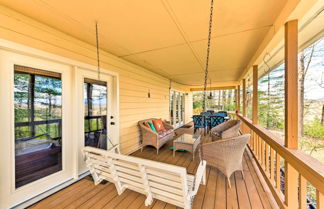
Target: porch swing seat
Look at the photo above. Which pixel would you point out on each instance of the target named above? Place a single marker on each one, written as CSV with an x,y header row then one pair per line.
x,y
165,182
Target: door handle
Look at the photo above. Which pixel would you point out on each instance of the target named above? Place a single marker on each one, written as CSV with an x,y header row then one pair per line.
x,y
112,123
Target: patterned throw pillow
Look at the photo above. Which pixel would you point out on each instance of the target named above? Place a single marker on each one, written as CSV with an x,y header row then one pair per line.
x,y
158,124
152,127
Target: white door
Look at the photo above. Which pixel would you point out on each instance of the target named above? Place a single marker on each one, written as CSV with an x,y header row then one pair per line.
x,y
35,108
97,118
177,108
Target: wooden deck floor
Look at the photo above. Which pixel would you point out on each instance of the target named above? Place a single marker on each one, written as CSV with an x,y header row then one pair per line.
x,y
245,193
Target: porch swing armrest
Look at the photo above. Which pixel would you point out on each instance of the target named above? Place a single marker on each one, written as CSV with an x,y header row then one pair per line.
x,y
200,177
115,149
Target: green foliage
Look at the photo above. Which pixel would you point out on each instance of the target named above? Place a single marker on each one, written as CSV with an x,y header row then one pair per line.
x,y
225,102
197,103
271,99
314,129
47,104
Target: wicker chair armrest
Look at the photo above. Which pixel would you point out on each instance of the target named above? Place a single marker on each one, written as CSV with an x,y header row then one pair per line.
x,y
210,146
232,131
146,130
229,132
218,128
167,125
214,145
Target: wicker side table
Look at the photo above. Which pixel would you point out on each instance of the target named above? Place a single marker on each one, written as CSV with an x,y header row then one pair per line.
x,y
186,142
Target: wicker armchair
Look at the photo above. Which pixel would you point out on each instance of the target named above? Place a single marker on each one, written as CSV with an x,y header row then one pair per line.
x,y
227,129
226,154
154,139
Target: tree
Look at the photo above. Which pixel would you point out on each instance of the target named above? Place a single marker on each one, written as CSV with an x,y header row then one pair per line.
x,y
197,102
219,99
302,73
311,97
229,100
271,99
224,100
322,119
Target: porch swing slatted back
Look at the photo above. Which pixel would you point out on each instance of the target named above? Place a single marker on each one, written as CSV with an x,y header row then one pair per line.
x,y
162,181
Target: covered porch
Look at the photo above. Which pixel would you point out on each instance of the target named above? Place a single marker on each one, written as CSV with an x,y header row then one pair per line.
x,y
76,74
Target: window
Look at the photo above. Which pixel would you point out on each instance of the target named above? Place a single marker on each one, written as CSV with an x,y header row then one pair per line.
x,y
38,124
95,113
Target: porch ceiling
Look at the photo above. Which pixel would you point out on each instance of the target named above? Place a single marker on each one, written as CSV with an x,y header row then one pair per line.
x,y
166,37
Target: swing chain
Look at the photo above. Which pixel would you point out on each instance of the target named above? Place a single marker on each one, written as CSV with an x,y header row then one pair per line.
x,y
208,51
97,47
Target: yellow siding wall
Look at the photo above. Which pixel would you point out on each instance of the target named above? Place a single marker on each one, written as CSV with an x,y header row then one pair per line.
x,y
135,81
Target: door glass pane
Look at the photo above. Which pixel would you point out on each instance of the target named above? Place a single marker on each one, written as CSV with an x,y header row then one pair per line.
x,y
182,108
177,108
95,113
38,124
171,106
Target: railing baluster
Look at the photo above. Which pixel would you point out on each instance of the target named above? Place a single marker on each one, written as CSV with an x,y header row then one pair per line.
x,y
299,169
258,149
302,192
291,186
319,200
255,142
262,153
267,159
272,166
251,141
278,172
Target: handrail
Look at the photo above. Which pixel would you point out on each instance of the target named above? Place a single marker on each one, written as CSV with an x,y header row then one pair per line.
x,y
311,168
308,167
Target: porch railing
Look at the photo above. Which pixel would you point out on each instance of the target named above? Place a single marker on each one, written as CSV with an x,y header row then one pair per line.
x,y
268,150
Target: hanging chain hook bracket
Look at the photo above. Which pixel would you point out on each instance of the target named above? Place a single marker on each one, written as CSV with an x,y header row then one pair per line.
x,y
266,61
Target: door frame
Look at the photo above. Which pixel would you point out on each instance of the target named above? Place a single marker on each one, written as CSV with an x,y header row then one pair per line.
x,y
7,179
112,107
181,113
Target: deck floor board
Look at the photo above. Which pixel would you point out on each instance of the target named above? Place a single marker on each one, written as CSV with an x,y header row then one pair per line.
x,y
245,193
